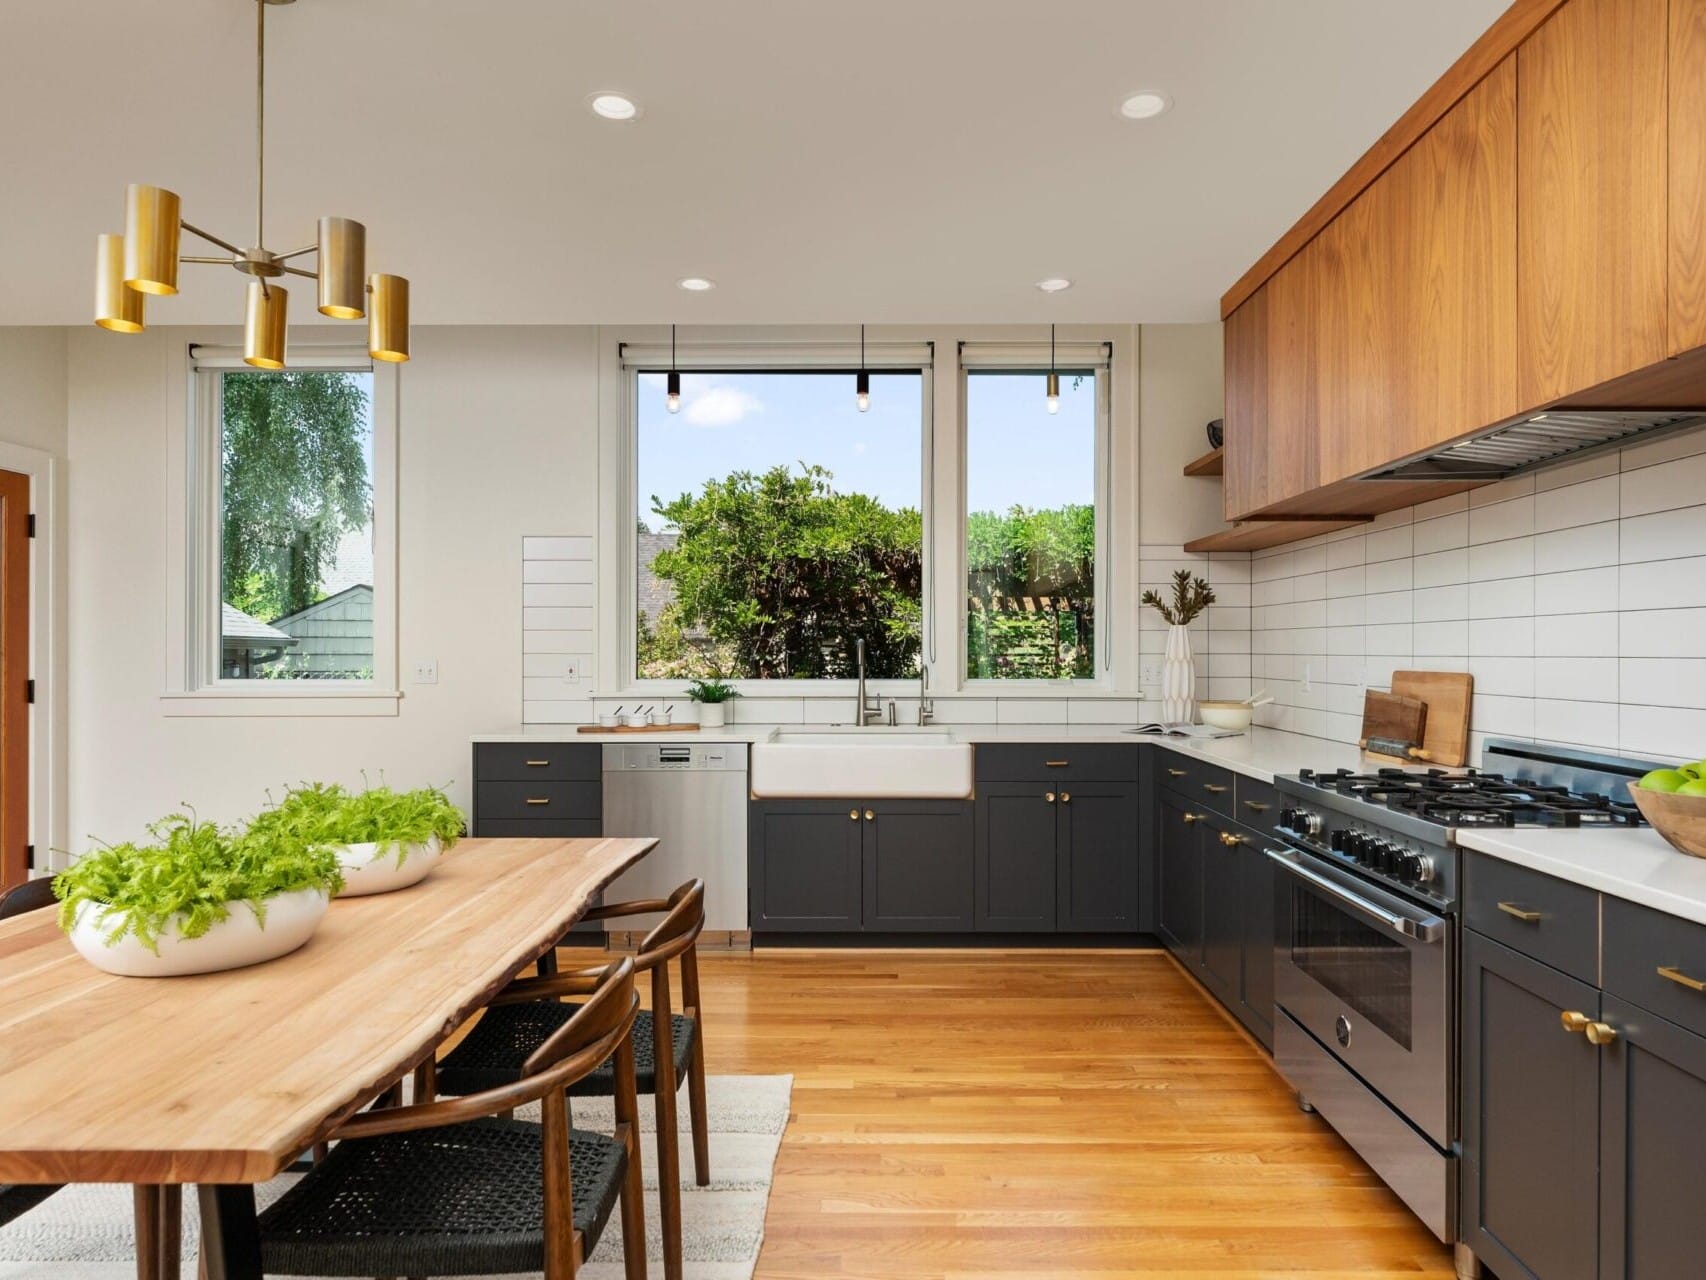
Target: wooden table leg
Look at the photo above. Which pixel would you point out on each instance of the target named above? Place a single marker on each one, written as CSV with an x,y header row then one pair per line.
x,y
159,1230
171,1230
230,1234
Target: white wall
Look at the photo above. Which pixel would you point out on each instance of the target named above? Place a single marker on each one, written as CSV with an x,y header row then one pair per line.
x,y
498,441
32,388
1576,597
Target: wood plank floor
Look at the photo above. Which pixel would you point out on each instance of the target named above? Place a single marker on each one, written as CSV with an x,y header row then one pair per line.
x,y
1059,1114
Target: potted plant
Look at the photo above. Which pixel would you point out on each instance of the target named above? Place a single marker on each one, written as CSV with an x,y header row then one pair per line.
x,y
384,839
711,697
195,898
1178,671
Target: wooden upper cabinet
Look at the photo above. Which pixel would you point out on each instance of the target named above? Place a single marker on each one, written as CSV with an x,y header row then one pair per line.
x,y
1592,196
1418,292
1271,450
1687,145
1246,404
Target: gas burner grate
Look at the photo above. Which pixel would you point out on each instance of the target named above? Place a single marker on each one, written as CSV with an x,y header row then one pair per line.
x,y
1470,798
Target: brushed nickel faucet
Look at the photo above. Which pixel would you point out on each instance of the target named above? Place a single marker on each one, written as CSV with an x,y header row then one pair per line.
x,y
864,713
926,705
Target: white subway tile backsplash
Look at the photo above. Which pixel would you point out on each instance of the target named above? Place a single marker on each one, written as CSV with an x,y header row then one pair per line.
x,y
1032,711
556,571
1577,679
576,594
1663,633
1389,575
1678,732
1508,559
1664,535
1500,715
576,548
1345,582
1663,584
1575,592
1576,504
1663,682
1502,520
1592,724
1507,676
1442,533
1345,552
1441,604
1440,639
1677,484
1584,547
1388,544
557,619
1576,635
1502,637
1441,568
555,642
1389,606
1503,598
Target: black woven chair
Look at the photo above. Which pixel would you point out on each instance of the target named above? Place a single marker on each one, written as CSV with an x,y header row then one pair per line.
x,y
449,1188
32,895
668,1047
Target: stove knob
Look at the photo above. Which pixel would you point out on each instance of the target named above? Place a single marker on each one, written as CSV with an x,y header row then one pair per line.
x,y
1339,841
1385,857
1313,823
1359,846
1288,819
1419,869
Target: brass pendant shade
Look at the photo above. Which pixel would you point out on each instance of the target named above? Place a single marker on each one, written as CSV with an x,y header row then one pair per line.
x,y
144,260
264,325
388,318
116,307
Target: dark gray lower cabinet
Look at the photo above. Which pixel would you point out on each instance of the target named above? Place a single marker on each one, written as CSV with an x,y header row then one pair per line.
x,y
1178,912
1256,894
1096,858
805,865
918,865
1222,913
1016,875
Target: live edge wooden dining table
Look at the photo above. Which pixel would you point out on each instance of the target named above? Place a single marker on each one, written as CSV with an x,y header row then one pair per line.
x,y
223,1079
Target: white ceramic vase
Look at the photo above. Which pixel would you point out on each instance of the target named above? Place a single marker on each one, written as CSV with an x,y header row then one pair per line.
x,y
239,939
1178,678
713,715
382,868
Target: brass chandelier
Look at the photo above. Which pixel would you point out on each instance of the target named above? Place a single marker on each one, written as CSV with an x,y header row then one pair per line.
x,y
144,260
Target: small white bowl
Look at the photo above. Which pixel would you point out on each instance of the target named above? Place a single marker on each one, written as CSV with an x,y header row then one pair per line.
x,y
375,868
660,717
609,720
238,940
1226,715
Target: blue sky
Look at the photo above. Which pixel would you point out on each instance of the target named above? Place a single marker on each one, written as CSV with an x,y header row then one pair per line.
x,y
754,421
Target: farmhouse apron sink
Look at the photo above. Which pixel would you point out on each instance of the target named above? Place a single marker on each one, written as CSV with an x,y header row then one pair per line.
x,y
871,763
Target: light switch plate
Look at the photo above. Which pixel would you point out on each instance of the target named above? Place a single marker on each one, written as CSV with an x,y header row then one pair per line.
x,y
426,672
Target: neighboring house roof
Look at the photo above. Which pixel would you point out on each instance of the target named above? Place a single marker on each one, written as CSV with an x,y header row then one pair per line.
x,y
327,605
239,630
654,592
352,564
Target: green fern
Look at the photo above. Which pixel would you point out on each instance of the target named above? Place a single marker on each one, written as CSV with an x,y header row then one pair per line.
x,y
327,813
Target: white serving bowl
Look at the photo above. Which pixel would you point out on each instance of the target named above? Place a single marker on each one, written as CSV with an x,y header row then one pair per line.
x,y
238,940
376,868
1226,715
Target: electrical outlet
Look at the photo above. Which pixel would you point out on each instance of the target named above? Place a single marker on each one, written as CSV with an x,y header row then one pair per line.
x,y
571,668
426,672
1150,674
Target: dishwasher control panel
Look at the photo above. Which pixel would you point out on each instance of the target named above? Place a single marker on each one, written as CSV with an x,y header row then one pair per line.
x,y
722,757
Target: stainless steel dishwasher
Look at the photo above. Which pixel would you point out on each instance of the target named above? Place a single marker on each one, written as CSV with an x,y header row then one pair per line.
x,y
692,797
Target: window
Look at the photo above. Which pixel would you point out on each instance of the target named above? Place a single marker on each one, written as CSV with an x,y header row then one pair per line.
x,y
1031,528
777,524
289,530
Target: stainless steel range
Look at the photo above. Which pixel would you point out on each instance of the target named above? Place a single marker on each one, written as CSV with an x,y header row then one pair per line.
x,y
1366,948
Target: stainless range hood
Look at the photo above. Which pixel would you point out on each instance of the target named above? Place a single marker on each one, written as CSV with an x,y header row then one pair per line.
x,y
1540,440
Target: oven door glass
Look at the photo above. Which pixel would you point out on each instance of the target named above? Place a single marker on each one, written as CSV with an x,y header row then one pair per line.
x,y
1364,966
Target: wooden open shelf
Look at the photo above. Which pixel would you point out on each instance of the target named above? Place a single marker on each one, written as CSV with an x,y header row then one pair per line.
x,y
1212,463
1256,535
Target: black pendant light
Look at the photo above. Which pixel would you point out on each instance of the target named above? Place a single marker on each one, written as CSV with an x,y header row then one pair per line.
x,y
1053,377
672,401
862,384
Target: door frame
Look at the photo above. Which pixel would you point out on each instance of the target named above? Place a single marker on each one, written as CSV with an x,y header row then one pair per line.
x,y
47,787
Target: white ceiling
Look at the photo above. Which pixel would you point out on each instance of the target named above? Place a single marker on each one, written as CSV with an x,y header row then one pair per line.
x,y
822,160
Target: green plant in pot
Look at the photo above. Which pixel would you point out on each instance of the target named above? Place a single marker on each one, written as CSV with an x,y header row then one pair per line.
x,y
195,898
712,698
385,839
1191,595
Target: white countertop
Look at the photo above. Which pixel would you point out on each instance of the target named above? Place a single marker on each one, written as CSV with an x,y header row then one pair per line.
x,y
1635,865
1261,753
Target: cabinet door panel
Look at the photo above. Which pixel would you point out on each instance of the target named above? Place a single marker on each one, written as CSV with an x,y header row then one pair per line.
x,y
1097,859
1653,1147
1244,485
1687,175
1222,921
1530,1117
805,865
1015,858
918,865
1256,908
1179,914
1591,195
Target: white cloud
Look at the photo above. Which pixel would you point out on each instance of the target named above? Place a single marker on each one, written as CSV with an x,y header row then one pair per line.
x,y
718,406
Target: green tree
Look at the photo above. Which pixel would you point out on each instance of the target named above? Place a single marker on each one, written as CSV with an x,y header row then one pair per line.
x,y
295,480
1049,558
783,574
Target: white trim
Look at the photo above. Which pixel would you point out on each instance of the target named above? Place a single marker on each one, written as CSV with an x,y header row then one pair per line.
x,y
808,354
47,757
193,646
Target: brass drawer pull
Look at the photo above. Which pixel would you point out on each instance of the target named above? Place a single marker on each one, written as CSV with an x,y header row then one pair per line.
x,y
1177,773
1670,973
1573,1021
1257,805
1601,1033
1215,787
1521,913
538,800
1057,764
537,764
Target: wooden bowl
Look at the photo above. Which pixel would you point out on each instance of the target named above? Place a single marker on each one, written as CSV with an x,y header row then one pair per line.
x,y
1679,819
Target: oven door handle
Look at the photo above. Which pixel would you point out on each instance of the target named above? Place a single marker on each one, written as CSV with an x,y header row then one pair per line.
x,y
1420,928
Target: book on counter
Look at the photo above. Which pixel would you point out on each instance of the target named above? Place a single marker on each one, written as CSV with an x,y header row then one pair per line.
x,y
1185,730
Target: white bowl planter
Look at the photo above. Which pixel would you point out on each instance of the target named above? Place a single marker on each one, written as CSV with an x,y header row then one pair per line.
x,y
239,939
377,868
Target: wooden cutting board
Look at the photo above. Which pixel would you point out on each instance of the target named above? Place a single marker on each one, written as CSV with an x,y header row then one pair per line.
x,y
1392,716
1448,695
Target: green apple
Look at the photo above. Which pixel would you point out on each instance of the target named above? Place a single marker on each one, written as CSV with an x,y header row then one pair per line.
x,y
1665,780
1696,787
1692,770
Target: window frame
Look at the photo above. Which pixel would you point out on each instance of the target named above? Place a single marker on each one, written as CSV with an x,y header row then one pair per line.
x,y
634,360
195,683
1097,358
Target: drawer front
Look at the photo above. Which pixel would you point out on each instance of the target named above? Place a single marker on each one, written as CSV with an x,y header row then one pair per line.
x,y
1656,961
1205,784
1550,920
535,761
514,829
1043,762
1257,804
540,801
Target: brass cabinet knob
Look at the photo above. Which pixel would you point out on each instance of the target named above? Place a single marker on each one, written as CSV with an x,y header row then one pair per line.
x,y
1049,796
1601,1033
1229,840
1573,1021
1066,797
870,815
1193,817
853,814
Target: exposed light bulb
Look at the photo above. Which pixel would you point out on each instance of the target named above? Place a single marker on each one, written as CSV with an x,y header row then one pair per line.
x,y
672,400
864,402
1053,392
862,388
1054,404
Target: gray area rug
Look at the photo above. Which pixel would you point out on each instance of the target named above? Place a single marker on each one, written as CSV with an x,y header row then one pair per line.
x,y
85,1232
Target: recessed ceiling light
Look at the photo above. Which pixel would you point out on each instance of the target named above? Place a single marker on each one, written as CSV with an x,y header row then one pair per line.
x,y
1054,284
696,284
1144,104
614,106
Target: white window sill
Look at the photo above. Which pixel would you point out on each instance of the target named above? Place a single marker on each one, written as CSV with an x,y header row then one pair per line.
x,y
281,702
